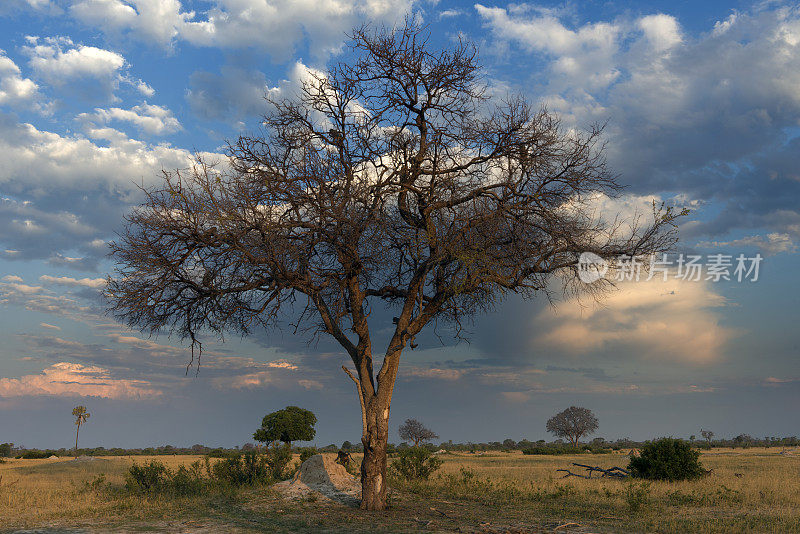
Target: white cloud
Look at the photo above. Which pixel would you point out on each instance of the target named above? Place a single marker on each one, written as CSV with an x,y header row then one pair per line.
x,y
60,62
73,162
10,289
708,115
661,31
275,26
282,364
583,56
143,88
12,278
448,13
76,380
49,326
151,119
674,321
14,88
774,243
94,283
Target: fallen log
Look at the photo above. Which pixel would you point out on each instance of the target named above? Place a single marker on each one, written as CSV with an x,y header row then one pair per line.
x,y
613,472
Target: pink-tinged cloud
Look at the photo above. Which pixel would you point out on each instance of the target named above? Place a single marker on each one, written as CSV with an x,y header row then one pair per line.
x,y
774,381
49,326
282,364
261,375
248,381
76,380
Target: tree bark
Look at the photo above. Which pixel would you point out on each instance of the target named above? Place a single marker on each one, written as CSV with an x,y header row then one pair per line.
x,y
76,440
373,466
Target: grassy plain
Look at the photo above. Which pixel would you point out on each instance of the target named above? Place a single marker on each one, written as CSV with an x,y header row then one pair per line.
x,y
753,490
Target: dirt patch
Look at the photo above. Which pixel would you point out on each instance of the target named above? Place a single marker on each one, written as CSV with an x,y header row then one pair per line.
x,y
321,476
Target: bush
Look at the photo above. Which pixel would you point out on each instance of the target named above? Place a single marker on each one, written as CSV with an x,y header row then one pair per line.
x,y
415,463
307,453
149,477
34,454
278,458
245,469
637,495
667,459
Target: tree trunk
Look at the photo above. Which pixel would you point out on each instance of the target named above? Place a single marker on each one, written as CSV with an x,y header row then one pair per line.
x,y
373,466
76,440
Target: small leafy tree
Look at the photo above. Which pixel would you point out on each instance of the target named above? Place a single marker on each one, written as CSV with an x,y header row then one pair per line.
x,y
415,462
413,430
667,459
707,435
5,449
572,424
287,425
81,415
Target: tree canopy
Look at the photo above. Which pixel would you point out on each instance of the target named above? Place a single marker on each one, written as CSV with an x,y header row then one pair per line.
x,y
413,430
573,423
287,425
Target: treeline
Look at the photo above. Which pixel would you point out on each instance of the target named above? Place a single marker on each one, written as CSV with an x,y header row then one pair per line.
x,y
596,446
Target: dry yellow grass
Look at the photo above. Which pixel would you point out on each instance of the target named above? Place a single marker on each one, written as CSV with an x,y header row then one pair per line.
x,y
754,490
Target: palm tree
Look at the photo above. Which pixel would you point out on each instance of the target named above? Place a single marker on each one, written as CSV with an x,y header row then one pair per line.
x,y
81,415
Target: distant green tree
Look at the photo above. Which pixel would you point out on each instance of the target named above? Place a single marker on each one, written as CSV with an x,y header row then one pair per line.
x,y
346,446
287,425
573,423
413,430
81,415
5,449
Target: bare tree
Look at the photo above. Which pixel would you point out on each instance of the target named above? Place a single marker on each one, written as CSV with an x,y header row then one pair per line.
x,y
391,180
413,430
572,424
81,415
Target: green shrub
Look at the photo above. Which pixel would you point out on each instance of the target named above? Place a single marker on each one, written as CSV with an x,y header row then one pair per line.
x,y
278,458
637,495
667,459
34,454
153,477
245,469
149,477
415,463
188,481
307,453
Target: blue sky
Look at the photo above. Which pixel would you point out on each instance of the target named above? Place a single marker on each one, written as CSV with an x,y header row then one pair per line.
x,y
702,107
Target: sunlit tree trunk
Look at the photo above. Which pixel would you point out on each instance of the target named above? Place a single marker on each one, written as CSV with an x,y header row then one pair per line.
x,y
373,466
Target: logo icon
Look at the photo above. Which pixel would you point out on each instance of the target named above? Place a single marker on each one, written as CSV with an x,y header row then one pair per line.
x,y
591,267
